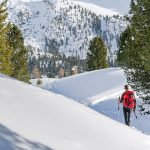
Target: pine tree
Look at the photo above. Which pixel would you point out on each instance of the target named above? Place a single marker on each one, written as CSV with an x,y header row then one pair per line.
x,y
6,66
97,54
134,52
20,54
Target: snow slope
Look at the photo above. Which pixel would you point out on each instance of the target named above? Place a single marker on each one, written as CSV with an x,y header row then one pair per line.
x,y
98,10
100,91
41,21
92,86
109,6
36,119
64,27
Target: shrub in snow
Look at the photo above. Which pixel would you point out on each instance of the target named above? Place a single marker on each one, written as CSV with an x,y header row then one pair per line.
x,y
39,82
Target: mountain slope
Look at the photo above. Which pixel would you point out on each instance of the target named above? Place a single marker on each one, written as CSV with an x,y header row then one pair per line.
x,y
100,91
57,33
34,119
116,6
92,86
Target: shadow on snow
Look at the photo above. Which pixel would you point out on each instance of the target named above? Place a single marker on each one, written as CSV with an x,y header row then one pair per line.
x,y
10,140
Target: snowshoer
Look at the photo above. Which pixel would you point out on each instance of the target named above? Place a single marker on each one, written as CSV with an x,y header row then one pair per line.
x,y
129,103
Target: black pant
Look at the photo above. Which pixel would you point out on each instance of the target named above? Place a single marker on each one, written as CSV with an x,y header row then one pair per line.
x,y
127,115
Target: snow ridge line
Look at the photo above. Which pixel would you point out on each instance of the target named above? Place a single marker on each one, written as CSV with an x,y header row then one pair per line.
x,y
106,97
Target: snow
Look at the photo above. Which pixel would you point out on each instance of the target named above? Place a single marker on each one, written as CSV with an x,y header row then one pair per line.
x,y
92,87
14,2
96,9
105,7
39,22
45,82
37,119
109,7
100,91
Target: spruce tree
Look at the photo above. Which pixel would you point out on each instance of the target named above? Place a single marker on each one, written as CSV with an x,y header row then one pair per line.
x,y
134,51
97,54
6,66
20,54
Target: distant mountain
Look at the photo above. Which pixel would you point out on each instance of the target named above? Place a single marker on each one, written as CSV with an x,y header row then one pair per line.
x,y
117,6
57,32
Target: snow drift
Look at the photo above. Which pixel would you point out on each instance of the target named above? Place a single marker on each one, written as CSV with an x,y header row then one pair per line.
x,y
100,90
36,119
92,86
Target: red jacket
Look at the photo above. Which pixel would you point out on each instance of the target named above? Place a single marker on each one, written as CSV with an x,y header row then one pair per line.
x,y
128,99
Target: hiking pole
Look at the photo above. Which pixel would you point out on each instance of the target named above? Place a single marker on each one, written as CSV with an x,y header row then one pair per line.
x,y
135,114
118,108
138,121
118,104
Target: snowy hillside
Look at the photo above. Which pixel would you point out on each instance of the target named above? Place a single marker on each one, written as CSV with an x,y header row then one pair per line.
x,y
113,6
100,91
92,86
65,22
54,29
34,119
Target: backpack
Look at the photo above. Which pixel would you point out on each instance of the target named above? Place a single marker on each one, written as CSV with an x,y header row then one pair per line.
x,y
129,99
